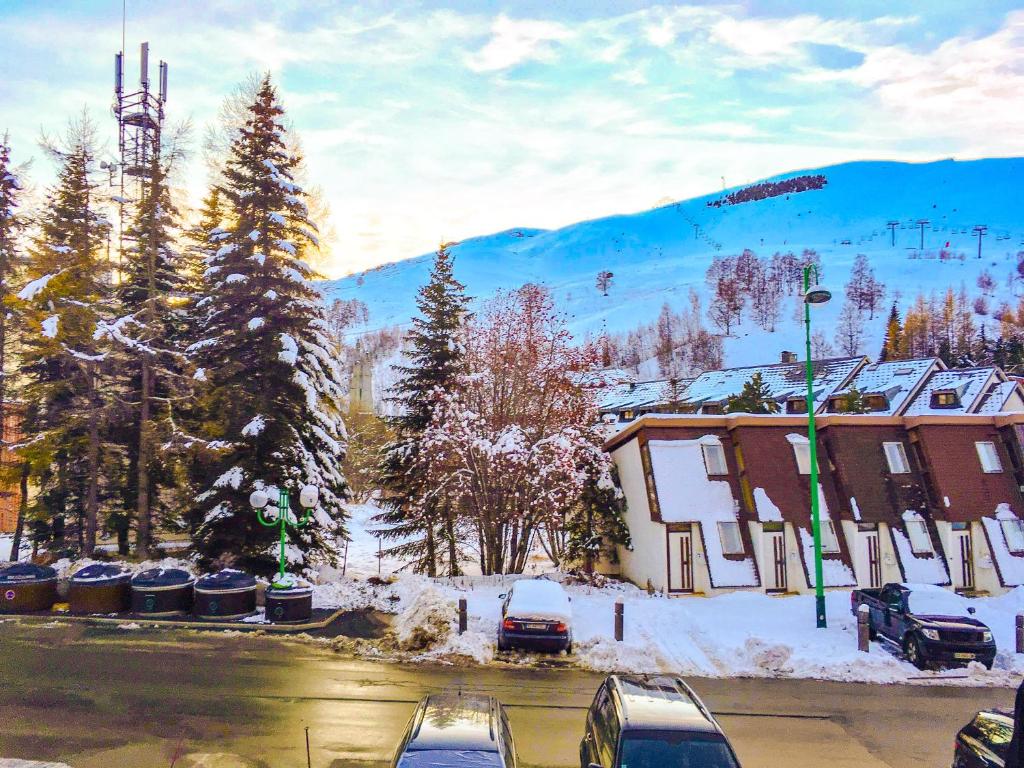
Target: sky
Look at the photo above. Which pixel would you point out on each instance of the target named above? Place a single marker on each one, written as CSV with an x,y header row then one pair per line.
x,y
424,122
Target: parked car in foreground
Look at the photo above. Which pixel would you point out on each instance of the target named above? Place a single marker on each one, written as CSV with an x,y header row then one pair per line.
x,y
536,615
652,721
983,742
457,731
927,623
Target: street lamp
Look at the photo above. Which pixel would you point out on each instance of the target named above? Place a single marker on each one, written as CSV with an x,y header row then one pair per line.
x,y
813,297
282,516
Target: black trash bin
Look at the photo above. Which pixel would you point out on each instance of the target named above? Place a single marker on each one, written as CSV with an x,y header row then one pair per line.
x,y
162,592
27,587
289,604
101,588
224,596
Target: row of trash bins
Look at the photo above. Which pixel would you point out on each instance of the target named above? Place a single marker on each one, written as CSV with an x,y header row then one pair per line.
x,y
109,588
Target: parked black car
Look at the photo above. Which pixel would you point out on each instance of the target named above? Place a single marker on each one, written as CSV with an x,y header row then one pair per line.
x,y
536,614
652,721
922,621
983,742
457,731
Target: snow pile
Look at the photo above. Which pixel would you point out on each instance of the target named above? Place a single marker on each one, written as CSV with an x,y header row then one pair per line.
x,y
427,620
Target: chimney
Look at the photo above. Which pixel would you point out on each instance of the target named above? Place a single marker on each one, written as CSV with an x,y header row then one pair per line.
x,y
788,357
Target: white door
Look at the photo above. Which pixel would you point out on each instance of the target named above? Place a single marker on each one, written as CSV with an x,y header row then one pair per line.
x,y
963,559
775,561
869,560
680,561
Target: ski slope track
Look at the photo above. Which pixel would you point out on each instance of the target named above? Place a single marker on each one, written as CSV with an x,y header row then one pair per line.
x,y
658,255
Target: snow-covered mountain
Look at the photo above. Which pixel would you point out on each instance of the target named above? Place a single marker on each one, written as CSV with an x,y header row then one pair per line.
x,y
657,255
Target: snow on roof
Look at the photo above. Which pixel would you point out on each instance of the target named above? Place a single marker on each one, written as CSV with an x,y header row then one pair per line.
x,y
784,380
1011,566
969,384
895,379
606,377
540,599
997,397
687,495
631,396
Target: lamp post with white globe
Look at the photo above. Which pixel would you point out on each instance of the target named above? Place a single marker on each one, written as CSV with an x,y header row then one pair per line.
x,y
282,516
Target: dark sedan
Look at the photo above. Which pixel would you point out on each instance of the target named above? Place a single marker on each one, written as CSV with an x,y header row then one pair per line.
x,y
983,742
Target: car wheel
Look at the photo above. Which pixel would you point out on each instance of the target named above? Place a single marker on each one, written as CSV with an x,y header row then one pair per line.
x,y
912,650
989,664
568,649
502,645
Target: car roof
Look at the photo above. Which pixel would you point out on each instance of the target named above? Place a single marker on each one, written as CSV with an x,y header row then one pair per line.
x,y
455,721
660,702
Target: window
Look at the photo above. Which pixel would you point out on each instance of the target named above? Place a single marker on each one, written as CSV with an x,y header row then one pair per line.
x,y
652,489
920,540
628,415
945,398
796,405
714,459
732,542
802,451
989,457
829,541
896,455
877,402
1013,532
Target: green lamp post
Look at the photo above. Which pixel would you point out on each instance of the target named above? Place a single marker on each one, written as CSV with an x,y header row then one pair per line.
x,y
281,516
812,297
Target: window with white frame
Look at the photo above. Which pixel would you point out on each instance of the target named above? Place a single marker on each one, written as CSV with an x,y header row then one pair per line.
x,y
896,455
1013,532
829,541
920,539
989,457
732,541
714,458
802,451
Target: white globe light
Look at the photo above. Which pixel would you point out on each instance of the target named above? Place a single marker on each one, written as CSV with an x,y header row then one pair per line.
x,y
309,496
258,499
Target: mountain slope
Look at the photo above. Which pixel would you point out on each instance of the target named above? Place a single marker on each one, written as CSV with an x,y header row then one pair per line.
x,y
657,255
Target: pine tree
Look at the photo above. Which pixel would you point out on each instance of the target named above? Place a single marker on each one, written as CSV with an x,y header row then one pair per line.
x,y
892,346
435,360
597,526
12,263
755,397
853,402
144,337
272,393
64,363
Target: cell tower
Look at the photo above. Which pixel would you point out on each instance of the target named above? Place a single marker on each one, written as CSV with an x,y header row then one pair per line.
x,y
140,118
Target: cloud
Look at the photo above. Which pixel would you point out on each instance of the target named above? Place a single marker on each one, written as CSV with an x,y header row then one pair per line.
x,y
514,41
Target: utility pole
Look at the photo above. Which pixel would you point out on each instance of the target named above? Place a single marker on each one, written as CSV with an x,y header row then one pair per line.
x,y
892,228
980,231
922,223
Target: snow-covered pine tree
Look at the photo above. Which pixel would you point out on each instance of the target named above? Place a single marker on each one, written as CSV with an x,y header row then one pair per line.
x,y
12,263
64,364
143,337
754,398
273,393
435,360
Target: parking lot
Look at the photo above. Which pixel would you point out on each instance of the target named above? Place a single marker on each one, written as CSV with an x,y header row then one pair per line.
x,y
105,699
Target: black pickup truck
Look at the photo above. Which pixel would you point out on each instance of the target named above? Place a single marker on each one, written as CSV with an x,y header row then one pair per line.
x,y
922,620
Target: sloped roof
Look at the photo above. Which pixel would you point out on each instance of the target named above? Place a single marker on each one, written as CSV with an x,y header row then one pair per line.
x,y
897,379
631,396
997,397
969,383
783,380
606,377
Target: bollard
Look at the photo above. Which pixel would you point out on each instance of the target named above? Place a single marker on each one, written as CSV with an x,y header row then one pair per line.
x,y
863,629
1020,633
619,609
462,615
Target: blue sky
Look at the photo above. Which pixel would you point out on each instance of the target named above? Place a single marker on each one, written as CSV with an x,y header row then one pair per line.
x,y
424,121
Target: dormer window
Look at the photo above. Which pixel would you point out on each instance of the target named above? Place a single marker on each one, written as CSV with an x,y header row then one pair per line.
x,y
896,456
917,532
714,459
713,409
628,415
796,405
945,398
989,457
876,402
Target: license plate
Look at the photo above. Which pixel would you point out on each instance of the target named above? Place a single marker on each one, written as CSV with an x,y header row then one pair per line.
x,y
963,655
536,626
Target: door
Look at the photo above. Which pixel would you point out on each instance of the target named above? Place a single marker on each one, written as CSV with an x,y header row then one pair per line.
x,y
965,554
680,561
869,560
775,542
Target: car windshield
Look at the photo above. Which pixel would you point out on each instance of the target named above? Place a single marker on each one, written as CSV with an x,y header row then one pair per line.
x,y
657,749
450,758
